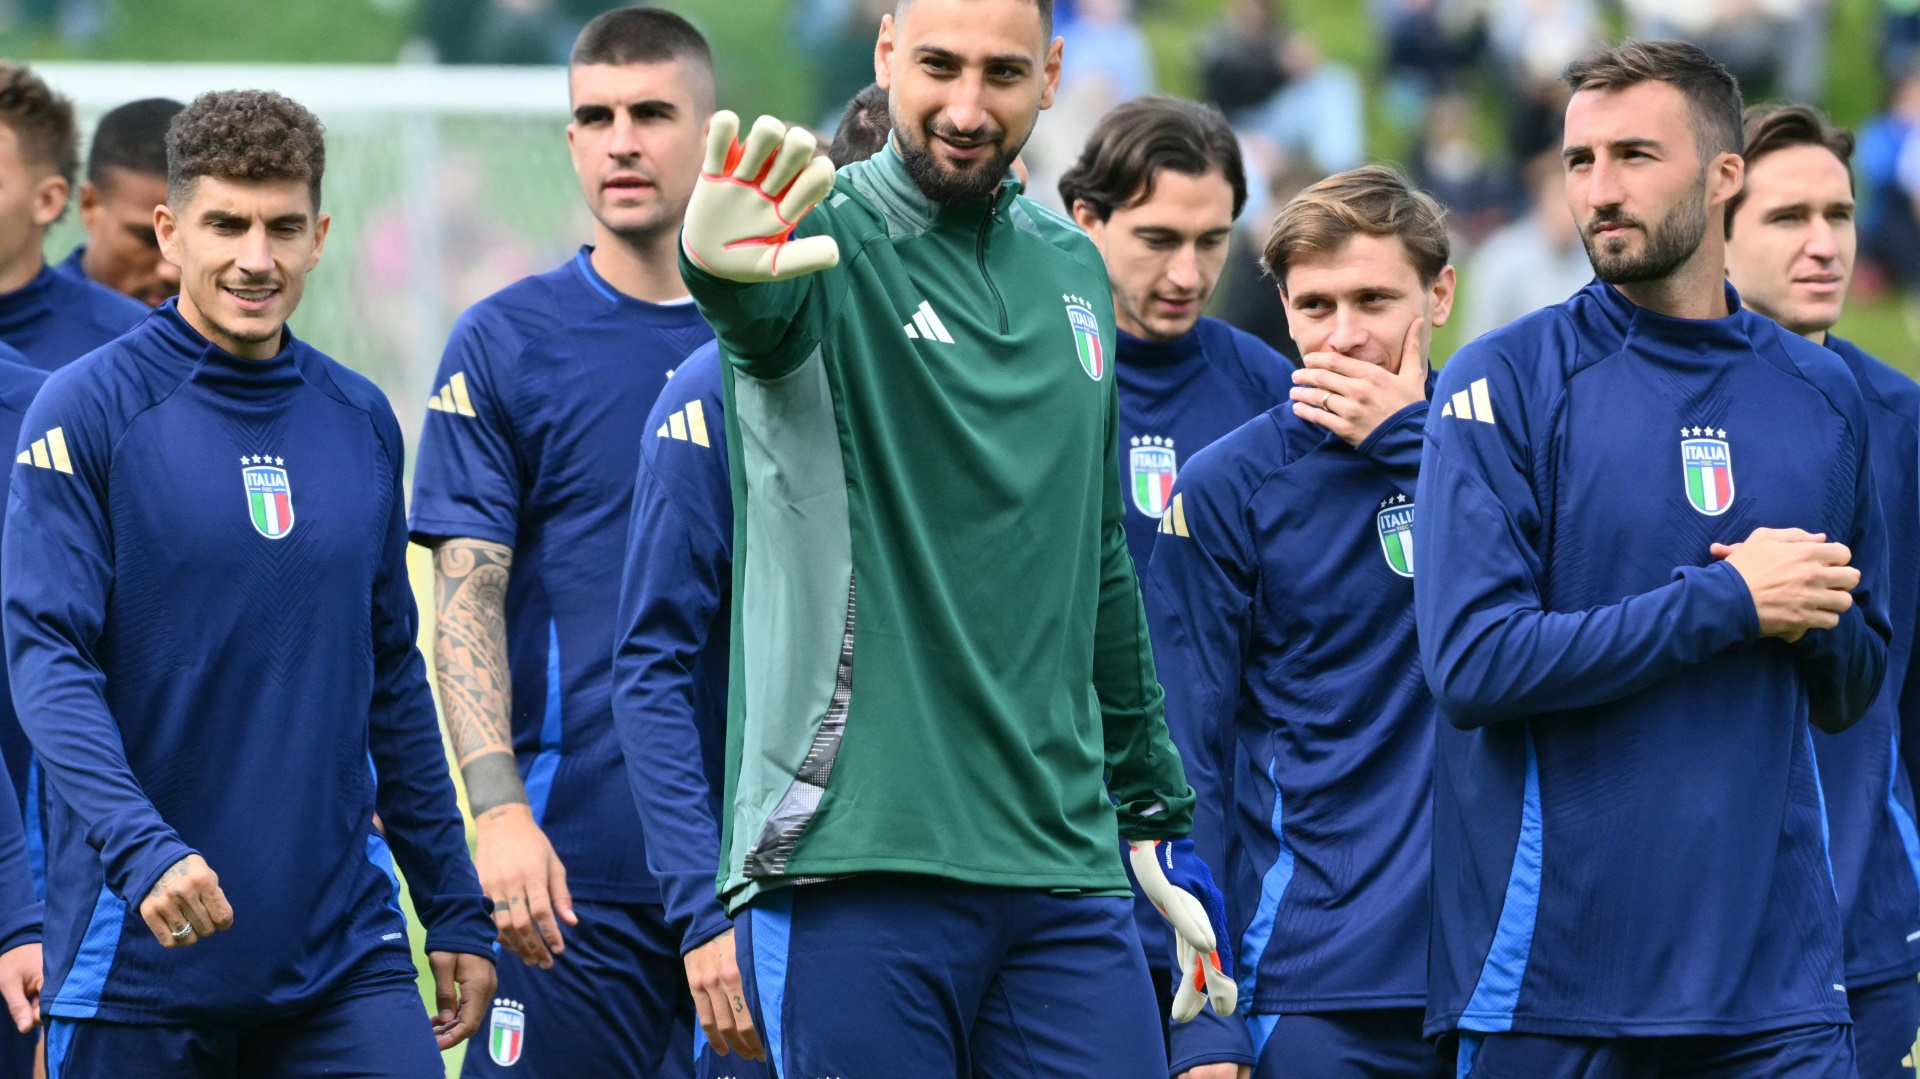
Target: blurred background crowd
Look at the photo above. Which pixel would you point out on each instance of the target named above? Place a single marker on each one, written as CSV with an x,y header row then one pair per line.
x,y
1463,94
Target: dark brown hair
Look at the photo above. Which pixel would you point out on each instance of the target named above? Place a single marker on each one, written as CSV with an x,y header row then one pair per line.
x,y
132,137
1374,199
1045,6
863,129
41,119
1711,91
244,135
1134,142
1774,127
639,35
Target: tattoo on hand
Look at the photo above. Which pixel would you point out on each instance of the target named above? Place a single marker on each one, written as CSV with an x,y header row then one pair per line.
x,y
160,886
738,1004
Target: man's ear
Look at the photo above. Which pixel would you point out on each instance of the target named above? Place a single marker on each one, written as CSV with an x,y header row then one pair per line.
x,y
883,53
50,200
166,229
1088,219
1442,294
319,240
1050,72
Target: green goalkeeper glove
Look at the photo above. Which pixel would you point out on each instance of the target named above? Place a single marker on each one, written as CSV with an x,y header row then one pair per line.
x,y
740,220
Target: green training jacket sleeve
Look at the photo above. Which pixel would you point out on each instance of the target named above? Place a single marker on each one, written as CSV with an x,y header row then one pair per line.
x,y
1144,774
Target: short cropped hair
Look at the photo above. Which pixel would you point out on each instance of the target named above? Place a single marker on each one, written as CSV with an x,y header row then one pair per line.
x,y
1045,6
639,35
249,135
1373,199
1711,91
1131,144
132,137
41,120
1772,128
863,128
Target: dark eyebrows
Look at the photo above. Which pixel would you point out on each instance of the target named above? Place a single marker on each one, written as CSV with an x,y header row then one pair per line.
x,y
287,220
935,52
1616,145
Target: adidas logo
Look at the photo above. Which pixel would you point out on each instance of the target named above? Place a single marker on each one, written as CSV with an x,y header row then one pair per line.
x,y
687,425
1174,521
48,452
453,396
1472,403
929,326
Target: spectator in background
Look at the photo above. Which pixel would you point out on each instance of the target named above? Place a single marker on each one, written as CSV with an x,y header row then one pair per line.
x,y
1274,85
1535,262
1107,58
1431,45
126,179
1887,166
863,129
1532,42
1248,298
1452,166
1774,47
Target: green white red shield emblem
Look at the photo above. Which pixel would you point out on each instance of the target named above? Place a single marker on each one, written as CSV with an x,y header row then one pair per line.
x,y
269,500
1708,464
1151,463
1395,525
1086,339
506,1033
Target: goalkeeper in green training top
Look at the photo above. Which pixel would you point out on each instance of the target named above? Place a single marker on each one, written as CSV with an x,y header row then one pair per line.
x,y
943,703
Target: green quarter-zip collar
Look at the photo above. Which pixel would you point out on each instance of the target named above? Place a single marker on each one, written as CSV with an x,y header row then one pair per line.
x,y
884,181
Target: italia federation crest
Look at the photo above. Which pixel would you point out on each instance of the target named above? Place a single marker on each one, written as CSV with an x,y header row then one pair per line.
x,y
507,1032
1708,464
1086,337
1395,525
269,495
1151,463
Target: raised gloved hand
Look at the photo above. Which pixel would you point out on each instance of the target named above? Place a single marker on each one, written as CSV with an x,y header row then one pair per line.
x,y
749,198
1180,887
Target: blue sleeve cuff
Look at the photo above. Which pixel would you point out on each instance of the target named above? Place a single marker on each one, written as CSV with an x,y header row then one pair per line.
x,y
705,928
1729,602
21,928
1210,1039
144,870
460,923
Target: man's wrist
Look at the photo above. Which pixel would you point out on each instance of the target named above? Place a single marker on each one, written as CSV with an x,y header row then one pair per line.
x,y
493,780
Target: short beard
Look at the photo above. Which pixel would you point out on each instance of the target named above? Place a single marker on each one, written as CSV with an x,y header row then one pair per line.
x,y
1670,243
946,184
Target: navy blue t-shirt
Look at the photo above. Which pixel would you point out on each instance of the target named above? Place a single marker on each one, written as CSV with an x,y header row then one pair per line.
x,y
1866,772
19,382
1280,598
211,638
533,440
57,318
670,664
1628,827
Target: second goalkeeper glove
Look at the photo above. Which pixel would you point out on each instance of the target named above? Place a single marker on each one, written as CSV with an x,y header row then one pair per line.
x,y
1179,885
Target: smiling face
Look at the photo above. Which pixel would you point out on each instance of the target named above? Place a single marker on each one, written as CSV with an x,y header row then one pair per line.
x,y
1359,298
1790,254
1164,254
637,137
1636,183
122,251
966,80
244,249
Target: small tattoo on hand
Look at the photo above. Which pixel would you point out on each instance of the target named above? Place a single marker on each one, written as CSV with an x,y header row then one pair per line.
x,y
738,1005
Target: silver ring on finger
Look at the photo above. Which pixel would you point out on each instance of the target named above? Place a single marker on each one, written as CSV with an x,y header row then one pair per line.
x,y
182,932
1326,399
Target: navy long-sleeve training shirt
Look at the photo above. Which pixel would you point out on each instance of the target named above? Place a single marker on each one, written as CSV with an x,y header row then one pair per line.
x,y
1865,771
211,639
532,440
670,658
57,318
1280,598
1628,828
1176,398
19,382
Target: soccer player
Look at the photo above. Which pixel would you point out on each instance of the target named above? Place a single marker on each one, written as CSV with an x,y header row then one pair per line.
x,y
938,647
1158,188
216,664
1281,601
1790,248
126,179
863,129
50,316
20,880
1651,554
522,489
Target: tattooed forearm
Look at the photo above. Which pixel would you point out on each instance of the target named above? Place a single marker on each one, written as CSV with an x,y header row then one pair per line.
x,y
470,658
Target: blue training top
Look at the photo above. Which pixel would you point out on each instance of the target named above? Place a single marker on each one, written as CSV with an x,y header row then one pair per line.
x,y
19,909
211,638
19,382
1628,828
532,440
1176,398
1281,603
1866,772
57,318
670,662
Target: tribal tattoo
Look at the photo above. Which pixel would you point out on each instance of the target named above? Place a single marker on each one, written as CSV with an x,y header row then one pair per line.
x,y
470,658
